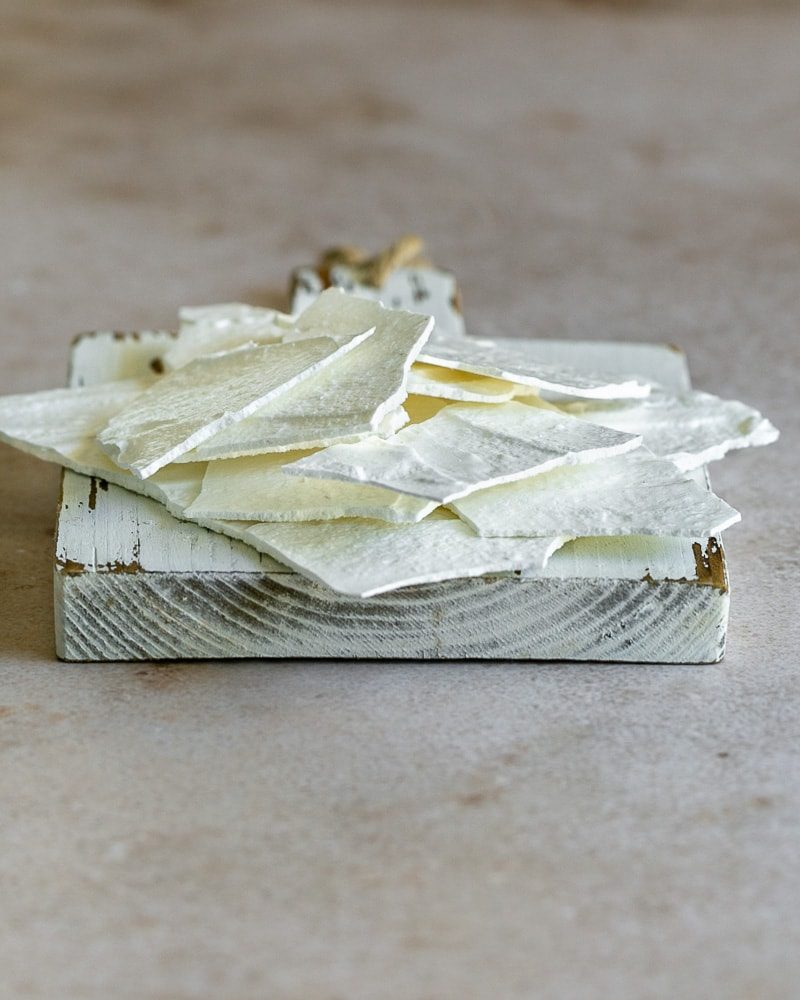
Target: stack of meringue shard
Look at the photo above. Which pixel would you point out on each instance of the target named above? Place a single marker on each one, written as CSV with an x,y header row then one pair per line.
x,y
367,451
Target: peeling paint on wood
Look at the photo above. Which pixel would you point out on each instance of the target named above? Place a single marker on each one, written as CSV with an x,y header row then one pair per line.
x,y
710,569
710,565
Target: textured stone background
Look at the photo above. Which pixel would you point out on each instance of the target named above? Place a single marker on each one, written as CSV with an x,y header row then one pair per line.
x,y
328,831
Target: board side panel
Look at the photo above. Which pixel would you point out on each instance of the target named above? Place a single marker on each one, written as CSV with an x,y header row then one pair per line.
x,y
142,616
103,527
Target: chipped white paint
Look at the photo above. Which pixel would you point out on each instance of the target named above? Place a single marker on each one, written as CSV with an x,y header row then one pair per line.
x,y
447,383
631,494
199,594
256,489
630,557
426,290
360,394
360,558
92,538
137,353
689,428
187,406
519,361
464,448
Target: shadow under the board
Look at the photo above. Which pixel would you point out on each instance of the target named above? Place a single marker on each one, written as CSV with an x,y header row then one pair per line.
x,y
485,664
283,684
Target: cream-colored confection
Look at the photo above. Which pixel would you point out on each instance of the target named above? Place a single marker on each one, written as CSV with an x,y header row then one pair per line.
x,y
464,448
361,394
631,494
515,361
256,489
187,406
689,428
363,558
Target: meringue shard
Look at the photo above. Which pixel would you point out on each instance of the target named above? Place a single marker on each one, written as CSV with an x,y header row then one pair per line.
x,y
515,361
363,558
189,405
690,428
255,489
466,447
631,494
360,395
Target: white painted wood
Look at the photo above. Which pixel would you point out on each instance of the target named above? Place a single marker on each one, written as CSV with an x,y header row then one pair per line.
x,y
135,353
129,533
131,582
466,447
632,557
360,394
142,616
189,405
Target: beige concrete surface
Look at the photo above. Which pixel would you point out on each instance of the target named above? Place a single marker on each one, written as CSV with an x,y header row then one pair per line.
x,y
327,831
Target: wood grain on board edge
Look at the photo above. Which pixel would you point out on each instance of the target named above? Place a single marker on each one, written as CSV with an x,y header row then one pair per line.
x,y
151,616
133,583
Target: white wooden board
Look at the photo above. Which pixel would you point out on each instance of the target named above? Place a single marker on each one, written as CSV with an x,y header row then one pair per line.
x,y
132,582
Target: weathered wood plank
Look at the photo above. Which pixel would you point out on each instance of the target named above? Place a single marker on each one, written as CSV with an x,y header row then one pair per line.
x,y
140,615
132,582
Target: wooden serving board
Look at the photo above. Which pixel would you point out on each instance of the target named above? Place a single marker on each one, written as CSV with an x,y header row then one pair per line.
x,y
134,583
